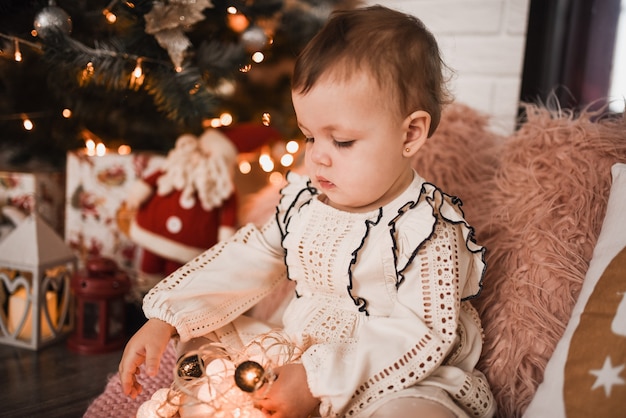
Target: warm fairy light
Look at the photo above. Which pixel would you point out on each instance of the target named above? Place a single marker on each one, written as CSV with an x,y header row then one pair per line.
x,y
245,167
292,147
28,124
258,57
33,33
18,53
101,149
232,10
123,149
88,71
266,119
178,69
138,72
67,113
276,178
90,147
226,119
286,160
266,163
216,123
237,21
245,68
109,16
137,76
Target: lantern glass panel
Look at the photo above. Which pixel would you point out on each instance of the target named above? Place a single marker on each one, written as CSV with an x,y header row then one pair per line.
x,y
116,318
91,313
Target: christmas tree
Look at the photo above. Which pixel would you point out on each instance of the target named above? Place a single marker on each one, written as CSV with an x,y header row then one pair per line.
x,y
143,72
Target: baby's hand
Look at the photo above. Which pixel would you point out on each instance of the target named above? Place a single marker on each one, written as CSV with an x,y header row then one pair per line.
x,y
289,396
146,346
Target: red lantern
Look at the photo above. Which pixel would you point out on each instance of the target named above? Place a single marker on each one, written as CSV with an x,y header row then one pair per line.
x,y
99,292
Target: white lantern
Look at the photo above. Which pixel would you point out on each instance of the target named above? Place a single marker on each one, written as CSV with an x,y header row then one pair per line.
x,y
36,267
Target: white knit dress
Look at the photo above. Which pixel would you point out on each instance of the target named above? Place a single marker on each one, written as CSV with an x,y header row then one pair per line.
x,y
380,308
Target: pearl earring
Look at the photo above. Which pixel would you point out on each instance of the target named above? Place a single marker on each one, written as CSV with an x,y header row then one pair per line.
x,y
407,149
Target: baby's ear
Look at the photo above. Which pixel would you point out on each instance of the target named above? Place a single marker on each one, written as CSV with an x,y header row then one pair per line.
x,y
417,125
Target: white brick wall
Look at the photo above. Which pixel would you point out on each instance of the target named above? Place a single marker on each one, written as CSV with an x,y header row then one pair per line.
x,y
483,42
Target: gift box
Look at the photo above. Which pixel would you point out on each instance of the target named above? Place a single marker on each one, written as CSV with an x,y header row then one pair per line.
x,y
22,192
96,217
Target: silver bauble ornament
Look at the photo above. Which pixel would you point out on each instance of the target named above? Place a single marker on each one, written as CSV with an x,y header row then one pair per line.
x,y
254,38
50,19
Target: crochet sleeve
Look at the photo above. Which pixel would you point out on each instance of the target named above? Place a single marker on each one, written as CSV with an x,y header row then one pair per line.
x,y
220,284
403,348
226,280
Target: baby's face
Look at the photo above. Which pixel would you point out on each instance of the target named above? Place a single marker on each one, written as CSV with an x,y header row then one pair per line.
x,y
354,151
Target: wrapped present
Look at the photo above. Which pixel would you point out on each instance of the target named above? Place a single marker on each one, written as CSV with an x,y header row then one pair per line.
x,y
96,216
22,192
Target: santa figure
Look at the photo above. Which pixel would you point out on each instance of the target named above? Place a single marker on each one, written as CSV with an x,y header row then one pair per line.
x,y
188,205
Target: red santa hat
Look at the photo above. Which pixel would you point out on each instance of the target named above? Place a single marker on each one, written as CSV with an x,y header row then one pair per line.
x,y
249,136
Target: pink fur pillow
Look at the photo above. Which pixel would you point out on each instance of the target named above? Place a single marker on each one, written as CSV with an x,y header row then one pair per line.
x,y
539,217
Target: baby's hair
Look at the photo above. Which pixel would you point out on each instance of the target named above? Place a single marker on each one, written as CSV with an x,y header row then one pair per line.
x,y
396,49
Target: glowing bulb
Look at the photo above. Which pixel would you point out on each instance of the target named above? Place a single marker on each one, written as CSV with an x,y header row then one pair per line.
x,y
67,113
28,124
292,147
226,119
137,76
237,21
266,119
18,53
266,163
286,160
245,68
123,149
101,149
138,72
232,10
258,57
216,123
88,71
90,145
245,167
109,16
276,178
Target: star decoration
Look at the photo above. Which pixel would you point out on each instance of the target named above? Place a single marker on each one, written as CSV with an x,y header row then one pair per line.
x,y
607,376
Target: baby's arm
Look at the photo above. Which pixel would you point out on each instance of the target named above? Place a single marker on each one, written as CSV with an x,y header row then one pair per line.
x,y
146,346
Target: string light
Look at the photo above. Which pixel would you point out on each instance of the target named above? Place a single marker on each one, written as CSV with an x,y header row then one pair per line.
x,y
108,14
101,149
258,57
90,147
87,72
245,167
276,178
286,160
28,124
124,150
137,76
292,146
18,53
266,119
67,113
226,119
266,162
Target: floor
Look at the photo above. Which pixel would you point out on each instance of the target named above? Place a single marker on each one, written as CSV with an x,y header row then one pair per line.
x,y
52,382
